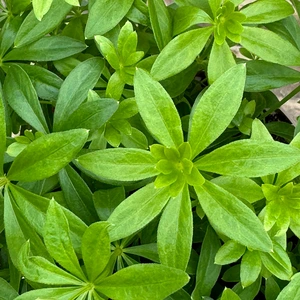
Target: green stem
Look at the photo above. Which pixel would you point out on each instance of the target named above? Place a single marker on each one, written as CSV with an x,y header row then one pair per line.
x,y
280,103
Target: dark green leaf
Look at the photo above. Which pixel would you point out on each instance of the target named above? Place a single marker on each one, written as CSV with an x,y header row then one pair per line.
x,y
2,131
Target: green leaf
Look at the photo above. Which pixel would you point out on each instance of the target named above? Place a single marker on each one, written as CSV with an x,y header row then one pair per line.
x,y
213,113
112,12
32,29
175,232
106,201
38,269
157,110
21,96
58,242
229,294
270,46
292,290
207,271
250,268
46,49
77,194
146,203
220,60
243,188
96,249
120,164
75,88
180,53
48,154
187,16
267,11
2,132
214,6
238,221
263,76
161,22
7,292
146,250
249,158
73,2
230,252
136,139
149,280
272,289
41,7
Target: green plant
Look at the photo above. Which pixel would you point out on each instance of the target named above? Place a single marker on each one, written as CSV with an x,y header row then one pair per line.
x,y
137,156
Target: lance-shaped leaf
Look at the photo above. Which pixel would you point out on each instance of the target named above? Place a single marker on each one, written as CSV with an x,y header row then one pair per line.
x,y
157,110
58,242
249,158
41,7
21,96
267,11
230,252
292,290
112,12
32,29
263,76
2,131
207,271
250,268
38,269
180,53
75,89
269,46
152,281
119,164
31,204
7,292
175,232
213,113
238,221
46,155
46,49
136,211
96,249
161,22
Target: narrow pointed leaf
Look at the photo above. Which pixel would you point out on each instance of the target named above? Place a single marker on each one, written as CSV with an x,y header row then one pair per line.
x,y
157,110
230,252
175,232
249,158
7,292
250,268
46,155
215,110
2,132
238,222
41,7
146,204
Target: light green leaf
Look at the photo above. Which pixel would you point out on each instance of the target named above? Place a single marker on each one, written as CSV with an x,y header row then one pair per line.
x,y
187,16
175,232
157,110
21,96
148,251
119,164
215,110
112,12
96,249
220,60
292,290
161,22
267,11
75,88
149,280
7,292
250,268
259,131
58,242
240,187
230,252
46,155
238,221
136,139
215,5
249,158
41,7
2,132
180,53
207,271
32,29
73,2
270,46
47,48
146,203
38,269
77,194
229,294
